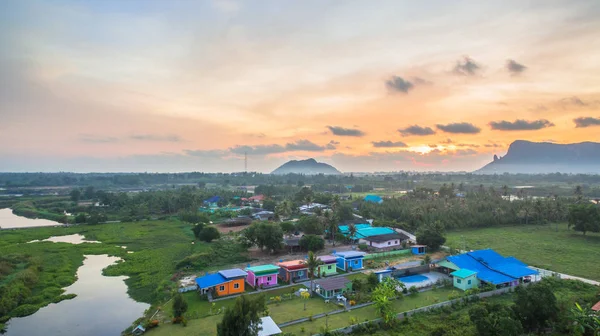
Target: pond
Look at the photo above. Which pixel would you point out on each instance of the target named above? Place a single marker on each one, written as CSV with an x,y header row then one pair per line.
x,y
102,306
73,239
9,220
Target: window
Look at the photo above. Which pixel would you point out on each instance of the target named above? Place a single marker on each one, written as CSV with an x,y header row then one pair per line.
x,y
457,280
269,278
389,243
468,282
395,242
221,288
355,262
328,267
236,285
300,273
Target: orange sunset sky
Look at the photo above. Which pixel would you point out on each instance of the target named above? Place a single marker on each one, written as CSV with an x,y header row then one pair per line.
x,y
364,85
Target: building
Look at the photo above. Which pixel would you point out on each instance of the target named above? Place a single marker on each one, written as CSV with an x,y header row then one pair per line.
x,y
262,276
268,327
292,243
387,273
344,227
384,242
331,287
373,199
328,267
187,284
490,267
418,249
349,260
226,282
264,215
293,271
465,279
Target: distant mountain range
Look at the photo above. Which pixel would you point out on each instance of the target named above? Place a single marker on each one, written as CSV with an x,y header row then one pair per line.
x,y
526,157
306,167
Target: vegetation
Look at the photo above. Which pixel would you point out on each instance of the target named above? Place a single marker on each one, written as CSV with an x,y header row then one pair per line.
x,y
264,235
243,318
584,218
180,306
431,235
311,243
312,263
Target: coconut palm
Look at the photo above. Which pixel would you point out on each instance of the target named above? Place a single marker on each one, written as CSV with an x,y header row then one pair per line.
x,y
284,209
351,233
308,199
312,263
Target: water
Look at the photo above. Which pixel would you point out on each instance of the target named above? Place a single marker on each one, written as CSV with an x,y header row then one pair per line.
x,y
73,239
102,306
413,278
10,220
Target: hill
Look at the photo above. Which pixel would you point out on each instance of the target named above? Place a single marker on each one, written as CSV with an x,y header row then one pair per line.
x,y
306,167
526,157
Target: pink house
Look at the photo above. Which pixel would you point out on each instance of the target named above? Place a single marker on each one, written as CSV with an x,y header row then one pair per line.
x,y
263,275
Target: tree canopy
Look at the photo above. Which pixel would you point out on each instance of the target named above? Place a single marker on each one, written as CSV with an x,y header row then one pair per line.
x,y
243,319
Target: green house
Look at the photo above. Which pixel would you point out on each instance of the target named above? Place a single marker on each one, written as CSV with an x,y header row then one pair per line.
x,y
328,266
331,287
465,279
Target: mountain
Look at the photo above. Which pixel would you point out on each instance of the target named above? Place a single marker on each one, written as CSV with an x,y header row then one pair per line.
x,y
526,157
306,167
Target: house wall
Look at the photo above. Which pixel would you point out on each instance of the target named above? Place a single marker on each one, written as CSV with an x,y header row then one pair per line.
x,y
229,288
267,280
341,263
299,275
250,278
466,283
328,269
354,264
393,243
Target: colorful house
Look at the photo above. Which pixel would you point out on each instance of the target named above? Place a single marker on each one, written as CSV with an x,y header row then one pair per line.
x,y
465,279
331,287
490,267
328,267
384,242
349,260
293,271
226,282
418,249
263,275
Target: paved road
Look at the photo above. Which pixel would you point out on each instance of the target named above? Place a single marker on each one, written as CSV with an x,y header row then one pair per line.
x,y
566,276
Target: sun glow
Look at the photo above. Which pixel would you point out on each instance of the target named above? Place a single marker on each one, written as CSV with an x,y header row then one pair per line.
x,y
422,149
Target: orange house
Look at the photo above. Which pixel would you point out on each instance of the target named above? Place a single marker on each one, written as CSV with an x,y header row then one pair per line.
x,y
226,282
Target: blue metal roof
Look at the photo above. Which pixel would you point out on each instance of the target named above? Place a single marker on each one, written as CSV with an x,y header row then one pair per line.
x,y
213,199
373,198
210,280
344,228
233,273
463,273
350,254
372,231
491,266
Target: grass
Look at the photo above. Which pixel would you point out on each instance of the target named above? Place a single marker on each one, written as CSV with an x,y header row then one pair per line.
x,y
552,247
368,313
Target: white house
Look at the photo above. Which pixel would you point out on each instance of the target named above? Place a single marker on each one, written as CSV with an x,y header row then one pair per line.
x,y
390,241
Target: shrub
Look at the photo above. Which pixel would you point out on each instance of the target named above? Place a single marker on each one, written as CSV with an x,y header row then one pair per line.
x,y
363,247
24,310
413,290
312,243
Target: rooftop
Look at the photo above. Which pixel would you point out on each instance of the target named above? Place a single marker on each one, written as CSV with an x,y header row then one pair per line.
x,y
233,273
463,273
269,268
269,327
372,231
350,254
333,283
293,264
327,259
491,266
385,237
210,280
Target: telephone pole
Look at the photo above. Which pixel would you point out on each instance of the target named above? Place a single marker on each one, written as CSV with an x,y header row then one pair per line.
x,y
246,162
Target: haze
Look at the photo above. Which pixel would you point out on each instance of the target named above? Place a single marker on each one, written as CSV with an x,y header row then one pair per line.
x,y
365,86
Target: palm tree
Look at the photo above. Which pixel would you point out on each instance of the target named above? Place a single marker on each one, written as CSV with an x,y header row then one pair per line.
x,y
335,203
351,233
578,193
312,263
284,209
505,190
308,199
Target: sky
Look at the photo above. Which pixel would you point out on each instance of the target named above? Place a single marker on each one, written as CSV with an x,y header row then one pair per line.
x,y
159,86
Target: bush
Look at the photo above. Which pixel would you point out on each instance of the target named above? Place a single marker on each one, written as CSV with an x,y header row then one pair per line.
x,y
413,290
363,247
312,243
24,310
209,234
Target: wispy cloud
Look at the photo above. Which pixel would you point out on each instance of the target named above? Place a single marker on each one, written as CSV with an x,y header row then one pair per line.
x,y
399,84
520,125
416,130
90,138
466,67
586,122
389,144
459,128
341,131
299,145
156,138
514,67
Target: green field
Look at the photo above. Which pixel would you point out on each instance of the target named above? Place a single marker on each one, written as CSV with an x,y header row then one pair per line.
x,y
552,247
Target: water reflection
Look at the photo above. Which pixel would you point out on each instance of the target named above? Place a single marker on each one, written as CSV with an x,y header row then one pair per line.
x,y
73,239
10,220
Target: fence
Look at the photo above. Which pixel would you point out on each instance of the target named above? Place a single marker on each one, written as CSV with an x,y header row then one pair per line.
x,y
387,254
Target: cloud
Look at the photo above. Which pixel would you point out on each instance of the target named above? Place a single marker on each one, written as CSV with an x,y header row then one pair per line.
x,y
492,145
399,84
459,128
388,144
157,138
514,67
520,125
447,141
465,152
332,145
467,145
90,138
586,122
210,153
416,130
341,131
299,145
466,67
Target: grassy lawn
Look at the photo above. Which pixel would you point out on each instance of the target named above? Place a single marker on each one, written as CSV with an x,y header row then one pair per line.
x,y
552,247
368,313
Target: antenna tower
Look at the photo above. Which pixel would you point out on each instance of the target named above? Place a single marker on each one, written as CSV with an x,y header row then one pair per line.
x,y
245,162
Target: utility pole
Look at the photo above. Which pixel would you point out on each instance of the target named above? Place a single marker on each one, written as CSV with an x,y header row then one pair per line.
x,y
246,162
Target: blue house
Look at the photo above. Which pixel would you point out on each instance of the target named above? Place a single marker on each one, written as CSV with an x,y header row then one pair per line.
x,y
418,249
373,199
349,260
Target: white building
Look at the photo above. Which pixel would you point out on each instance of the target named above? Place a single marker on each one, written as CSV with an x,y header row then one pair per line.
x,y
390,241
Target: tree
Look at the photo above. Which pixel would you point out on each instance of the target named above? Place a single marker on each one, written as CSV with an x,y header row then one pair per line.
x,y
288,227
584,218
312,263
585,322
284,209
382,296
345,213
269,205
80,218
197,229
311,243
243,319
495,320
310,225
89,193
264,235
352,233
535,306
208,234
180,306
305,296
431,235
75,195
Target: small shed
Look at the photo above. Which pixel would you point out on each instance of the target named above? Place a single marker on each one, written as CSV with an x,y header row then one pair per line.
x,y
268,327
330,287
383,274
465,279
138,330
418,249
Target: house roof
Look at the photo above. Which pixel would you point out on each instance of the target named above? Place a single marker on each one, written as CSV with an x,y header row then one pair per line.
x,y
293,264
263,269
210,280
596,307
385,237
372,231
350,254
327,259
233,273
213,199
491,266
268,327
333,283
291,241
344,228
463,273
373,198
